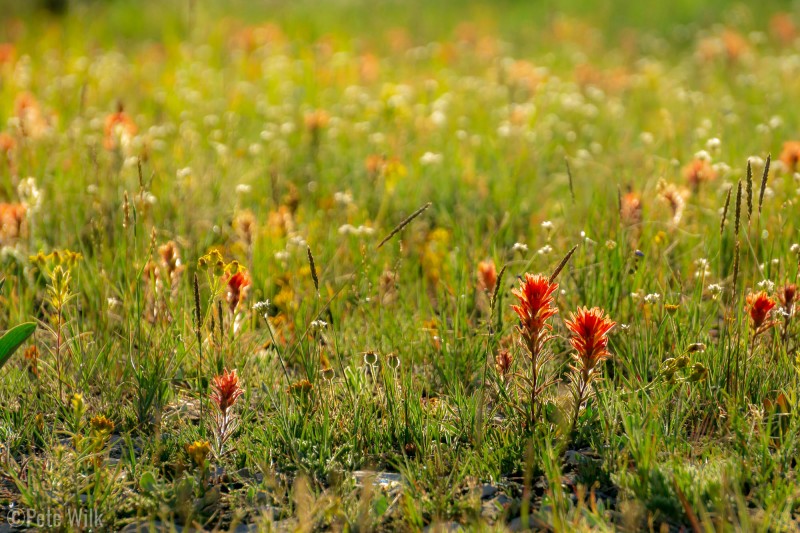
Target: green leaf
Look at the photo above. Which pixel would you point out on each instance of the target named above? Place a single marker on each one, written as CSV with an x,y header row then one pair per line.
x,y
2,282
148,482
13,339
381,506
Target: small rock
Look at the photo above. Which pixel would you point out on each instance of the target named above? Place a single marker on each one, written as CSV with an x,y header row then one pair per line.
x,y
533,523
487,491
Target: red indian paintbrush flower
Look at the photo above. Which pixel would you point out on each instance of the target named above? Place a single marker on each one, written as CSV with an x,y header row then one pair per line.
x,y
759,304
631,209
238,286
226,390
589,328
487,275
790,155
535,295
787,296
119,128
699,171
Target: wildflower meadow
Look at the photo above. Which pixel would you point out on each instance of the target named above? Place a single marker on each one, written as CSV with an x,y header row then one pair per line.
x,y
399,265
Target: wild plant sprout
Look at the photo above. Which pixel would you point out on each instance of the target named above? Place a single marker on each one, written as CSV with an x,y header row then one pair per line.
x,y
589,330
57,268
535,308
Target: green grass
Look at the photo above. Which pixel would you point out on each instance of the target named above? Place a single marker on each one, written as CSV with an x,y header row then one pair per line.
x,y
276,132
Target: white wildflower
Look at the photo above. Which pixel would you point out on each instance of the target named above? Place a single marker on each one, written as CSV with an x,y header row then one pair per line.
x,y
429,158
652,298
766,285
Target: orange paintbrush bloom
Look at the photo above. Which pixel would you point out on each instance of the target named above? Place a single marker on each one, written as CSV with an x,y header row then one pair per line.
x,y
631,209
790,155
7,143
8,52
317,119
698,171
589,337
119,128
759,305
782,27
226,390
12,220
589,329
32,120
487,275
535,295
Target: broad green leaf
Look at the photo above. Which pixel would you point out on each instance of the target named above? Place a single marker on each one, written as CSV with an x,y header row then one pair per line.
x,y
13,339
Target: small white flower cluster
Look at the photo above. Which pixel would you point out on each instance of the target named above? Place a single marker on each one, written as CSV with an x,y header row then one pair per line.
x,y
520,247
652,298
715,289
297,241
318,325
349,229
30,195
343,198
766,285
262,308
429,158
702,268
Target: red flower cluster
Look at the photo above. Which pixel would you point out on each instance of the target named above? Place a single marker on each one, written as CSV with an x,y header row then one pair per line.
x,y
759,304
226,390
535,295
589,328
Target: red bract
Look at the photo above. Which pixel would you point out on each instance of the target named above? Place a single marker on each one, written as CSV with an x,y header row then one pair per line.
x,y
759,304
589,328
535,295
226,390
238,285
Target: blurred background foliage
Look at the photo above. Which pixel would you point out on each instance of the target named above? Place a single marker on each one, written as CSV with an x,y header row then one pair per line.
x,y
517,20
